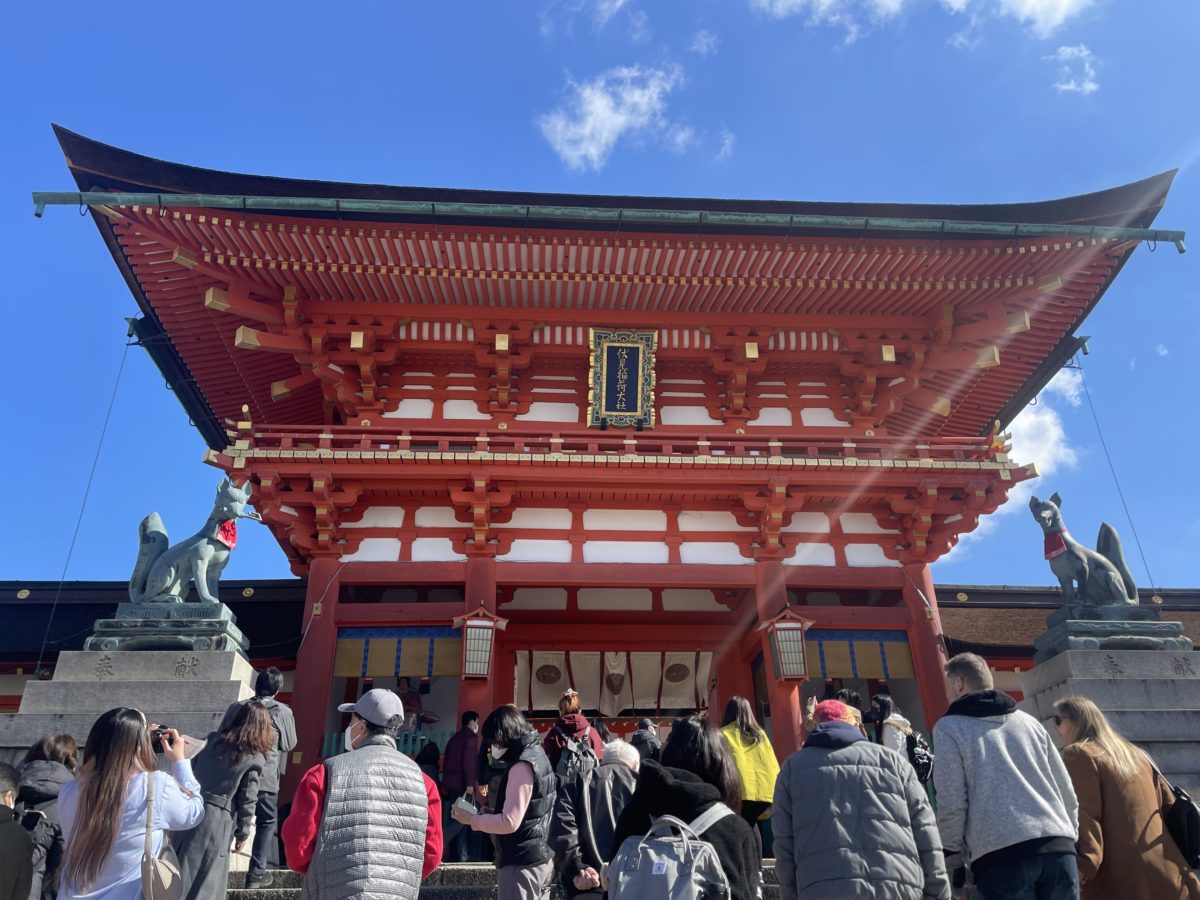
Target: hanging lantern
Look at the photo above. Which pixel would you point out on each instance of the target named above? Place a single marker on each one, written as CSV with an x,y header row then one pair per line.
x,y
786,634
478,641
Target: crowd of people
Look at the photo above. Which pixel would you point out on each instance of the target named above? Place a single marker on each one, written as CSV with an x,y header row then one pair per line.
x,y
850,813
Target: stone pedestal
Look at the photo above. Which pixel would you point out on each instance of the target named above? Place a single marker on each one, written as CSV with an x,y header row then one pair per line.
x,y
180,689
1092,628
1152,697
169,626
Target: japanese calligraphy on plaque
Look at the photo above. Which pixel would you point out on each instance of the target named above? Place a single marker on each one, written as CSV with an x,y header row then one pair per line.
x,y
622,378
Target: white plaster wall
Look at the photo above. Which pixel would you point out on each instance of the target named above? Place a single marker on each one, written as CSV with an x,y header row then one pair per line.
x,y
686,415
772,415
411,408
808,523
615,598
811,555
862,555
690,600
713,554
710,520
543,411
537,551
435,550
625,520
379,517
537,598
532,517
625,552
375,550
863,523
823,418
437,517
463,409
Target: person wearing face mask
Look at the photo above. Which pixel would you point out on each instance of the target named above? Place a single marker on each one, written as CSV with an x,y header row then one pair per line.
x,y
460,778
524,803
16,847
367,822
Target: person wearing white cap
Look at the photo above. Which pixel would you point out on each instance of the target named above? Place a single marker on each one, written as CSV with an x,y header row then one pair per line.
x,y
366,822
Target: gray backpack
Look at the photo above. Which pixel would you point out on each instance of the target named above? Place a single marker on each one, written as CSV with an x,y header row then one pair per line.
x,y
671,862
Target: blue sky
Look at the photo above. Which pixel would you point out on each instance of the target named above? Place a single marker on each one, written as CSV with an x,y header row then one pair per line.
x,y
872,100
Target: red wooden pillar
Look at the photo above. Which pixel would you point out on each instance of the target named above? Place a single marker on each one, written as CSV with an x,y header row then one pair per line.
x,y
733,677
480,590
925,641
314,670
787,722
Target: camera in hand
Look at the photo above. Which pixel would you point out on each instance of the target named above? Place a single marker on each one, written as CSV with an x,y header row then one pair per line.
x,y
156,735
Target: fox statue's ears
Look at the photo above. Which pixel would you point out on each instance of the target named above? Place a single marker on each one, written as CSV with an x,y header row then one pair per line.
x,y
223,486
1056,500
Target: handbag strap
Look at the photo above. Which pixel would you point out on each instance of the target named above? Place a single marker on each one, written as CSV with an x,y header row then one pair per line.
x,y
148,853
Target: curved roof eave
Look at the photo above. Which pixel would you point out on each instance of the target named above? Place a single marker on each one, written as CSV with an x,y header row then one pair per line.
x,y
98,166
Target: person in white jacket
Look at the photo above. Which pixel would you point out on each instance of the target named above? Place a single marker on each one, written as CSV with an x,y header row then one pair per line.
x,y
103,811
891,728
1006,806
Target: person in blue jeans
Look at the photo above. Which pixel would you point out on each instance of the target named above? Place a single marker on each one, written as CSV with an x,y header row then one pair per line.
x,y
999,765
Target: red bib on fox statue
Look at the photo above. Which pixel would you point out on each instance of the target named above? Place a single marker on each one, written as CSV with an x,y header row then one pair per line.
x,y
1055,545
227,534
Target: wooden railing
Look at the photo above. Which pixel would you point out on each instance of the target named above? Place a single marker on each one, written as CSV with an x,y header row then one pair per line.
x,y
599,443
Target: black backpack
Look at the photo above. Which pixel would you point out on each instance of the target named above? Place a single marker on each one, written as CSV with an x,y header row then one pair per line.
x,y
577,757
919,754
1183,822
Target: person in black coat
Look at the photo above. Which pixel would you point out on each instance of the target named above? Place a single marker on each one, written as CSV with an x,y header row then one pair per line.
x,y
228,769
696,771
16,846
49,764
581,832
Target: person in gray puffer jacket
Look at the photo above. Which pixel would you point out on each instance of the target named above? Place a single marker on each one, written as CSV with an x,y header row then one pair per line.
x,y
851,820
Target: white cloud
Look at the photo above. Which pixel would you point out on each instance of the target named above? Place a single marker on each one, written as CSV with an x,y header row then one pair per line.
x,y
1040,437
625,102
1132,363
1067,384
845,14
728,138
639,26
679,138
1161,349
1042,17
604,10
1076,72
704,43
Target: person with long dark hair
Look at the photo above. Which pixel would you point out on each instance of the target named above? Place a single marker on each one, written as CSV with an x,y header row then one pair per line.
x,y
755,761
48,765
103,811
891,728
523,803
696,771
1124,849
228,769
266,811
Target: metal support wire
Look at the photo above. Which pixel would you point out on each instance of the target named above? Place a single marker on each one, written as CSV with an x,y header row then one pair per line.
x,y
82,506
1113,469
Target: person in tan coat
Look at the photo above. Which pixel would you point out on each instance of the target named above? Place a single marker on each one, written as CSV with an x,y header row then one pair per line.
x,y
1124,849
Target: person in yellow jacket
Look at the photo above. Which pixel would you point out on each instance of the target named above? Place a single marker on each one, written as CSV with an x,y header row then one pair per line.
x,y
755,760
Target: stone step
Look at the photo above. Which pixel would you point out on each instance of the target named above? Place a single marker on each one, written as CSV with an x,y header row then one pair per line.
x,y
24,730
1129,693
152,665
450,881
1173,756
79,697
1156,724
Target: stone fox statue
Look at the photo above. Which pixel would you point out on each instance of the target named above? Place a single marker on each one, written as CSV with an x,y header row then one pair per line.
x,y
162,572
1097,577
